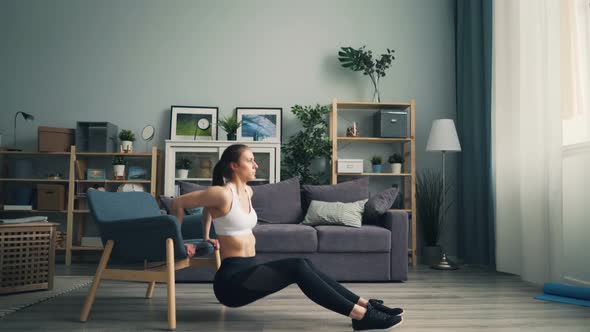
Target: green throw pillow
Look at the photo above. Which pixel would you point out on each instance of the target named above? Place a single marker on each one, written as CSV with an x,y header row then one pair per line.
x,y
335,213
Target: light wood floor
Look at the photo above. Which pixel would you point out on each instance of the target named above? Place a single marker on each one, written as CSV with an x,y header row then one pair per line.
x,y
470,299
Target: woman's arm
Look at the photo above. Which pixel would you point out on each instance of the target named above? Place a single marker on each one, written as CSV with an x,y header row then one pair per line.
x,y
206,221
214,197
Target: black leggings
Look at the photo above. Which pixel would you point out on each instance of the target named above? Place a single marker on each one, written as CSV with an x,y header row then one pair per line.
x,y
243,280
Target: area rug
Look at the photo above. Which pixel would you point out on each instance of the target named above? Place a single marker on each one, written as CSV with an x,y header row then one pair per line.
x,y
10,303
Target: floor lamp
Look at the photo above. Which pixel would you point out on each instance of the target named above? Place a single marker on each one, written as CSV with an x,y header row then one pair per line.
x,y
443,137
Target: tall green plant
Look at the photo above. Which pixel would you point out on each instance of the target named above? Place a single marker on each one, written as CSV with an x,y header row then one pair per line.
x,y
308,145
429,201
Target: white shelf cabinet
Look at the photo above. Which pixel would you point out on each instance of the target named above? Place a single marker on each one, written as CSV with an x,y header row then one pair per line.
x,y
266,154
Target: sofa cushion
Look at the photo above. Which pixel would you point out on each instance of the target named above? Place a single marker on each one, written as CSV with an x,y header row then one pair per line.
x,y
345,192
335,213
285,238
367,238
378,204
278,203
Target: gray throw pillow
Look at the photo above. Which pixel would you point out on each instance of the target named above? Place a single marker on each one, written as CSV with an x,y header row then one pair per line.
x,y
187,187
345,192
166,202
335,213
378,204
278,203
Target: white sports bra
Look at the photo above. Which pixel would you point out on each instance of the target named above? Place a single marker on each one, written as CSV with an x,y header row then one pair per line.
x,y
236,221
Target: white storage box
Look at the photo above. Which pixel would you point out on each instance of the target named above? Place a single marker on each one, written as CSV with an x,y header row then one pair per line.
x,y
350,166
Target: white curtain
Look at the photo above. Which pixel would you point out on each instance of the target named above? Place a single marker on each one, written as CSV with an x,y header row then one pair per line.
x,y
526,107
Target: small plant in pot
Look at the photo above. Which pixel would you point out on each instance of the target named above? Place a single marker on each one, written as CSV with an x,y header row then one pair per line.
x,y
127,138
396,160
183,165
119,164
376,161
230,125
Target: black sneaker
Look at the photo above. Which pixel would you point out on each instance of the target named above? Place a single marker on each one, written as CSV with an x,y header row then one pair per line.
x,y
378,304
375,320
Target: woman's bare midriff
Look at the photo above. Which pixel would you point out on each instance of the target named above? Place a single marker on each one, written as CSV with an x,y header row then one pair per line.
x,y
237,245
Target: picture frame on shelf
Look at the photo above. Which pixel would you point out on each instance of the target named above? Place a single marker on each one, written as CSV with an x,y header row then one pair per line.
x,y
193,123
136,173
260,124
96,174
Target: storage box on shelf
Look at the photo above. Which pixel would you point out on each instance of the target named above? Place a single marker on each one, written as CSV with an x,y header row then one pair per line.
x,y
392,124
203,156
51,198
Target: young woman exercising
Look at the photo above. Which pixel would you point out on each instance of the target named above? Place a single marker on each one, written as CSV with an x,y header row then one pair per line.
x,y
242,279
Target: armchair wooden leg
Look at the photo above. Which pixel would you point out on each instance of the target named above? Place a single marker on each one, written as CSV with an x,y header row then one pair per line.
x,y
171,284
217,259
150,290
106,254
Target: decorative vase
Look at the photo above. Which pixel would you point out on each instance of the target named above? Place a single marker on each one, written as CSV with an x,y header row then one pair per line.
x,y
396,168
231,137
182,173
376,168
376,95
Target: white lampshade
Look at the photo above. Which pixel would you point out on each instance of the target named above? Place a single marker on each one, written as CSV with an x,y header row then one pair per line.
x,y
443,136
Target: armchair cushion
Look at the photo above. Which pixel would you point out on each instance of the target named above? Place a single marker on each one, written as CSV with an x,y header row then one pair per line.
x,y
142,239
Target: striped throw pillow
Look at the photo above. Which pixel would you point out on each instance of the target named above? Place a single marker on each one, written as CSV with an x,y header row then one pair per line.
x,y
335,213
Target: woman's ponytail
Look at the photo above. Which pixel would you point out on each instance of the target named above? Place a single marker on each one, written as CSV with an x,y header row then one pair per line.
x,y
218,174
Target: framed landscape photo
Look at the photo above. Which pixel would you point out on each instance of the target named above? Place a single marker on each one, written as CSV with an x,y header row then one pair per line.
x,y
136,173
96,174
193,123
260,124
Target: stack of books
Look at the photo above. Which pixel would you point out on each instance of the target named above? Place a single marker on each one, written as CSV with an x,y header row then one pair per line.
x,y
24,220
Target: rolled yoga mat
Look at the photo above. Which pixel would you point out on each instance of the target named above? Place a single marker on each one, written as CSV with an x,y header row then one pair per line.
x,y
566,294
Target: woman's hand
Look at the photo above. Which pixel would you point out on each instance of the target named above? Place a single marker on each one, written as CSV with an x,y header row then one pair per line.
x,y
214,242
191,249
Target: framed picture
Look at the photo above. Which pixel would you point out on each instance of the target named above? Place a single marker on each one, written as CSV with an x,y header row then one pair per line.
x,y
136,173
96,174
260,124
193,123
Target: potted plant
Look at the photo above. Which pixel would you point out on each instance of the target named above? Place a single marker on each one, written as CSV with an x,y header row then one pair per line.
x,y
396,160
183,165
429,199
362,60
230,125
376,161
119,163
127,137
309,146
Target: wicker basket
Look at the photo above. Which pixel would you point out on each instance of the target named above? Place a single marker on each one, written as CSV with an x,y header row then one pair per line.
x,y
27,256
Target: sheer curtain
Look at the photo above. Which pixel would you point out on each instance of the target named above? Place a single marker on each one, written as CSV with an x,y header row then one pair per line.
x,y
526,107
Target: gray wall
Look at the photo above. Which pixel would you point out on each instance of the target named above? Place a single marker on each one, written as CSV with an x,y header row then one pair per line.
x,y
127,61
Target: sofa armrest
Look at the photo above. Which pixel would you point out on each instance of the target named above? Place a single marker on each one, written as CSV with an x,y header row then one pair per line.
x,y
397,222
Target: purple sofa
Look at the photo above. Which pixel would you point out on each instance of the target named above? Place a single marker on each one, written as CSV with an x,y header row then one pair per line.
x,y
377,251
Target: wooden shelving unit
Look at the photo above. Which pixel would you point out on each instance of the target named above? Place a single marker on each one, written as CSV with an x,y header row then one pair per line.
x,y
409,151
72,181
